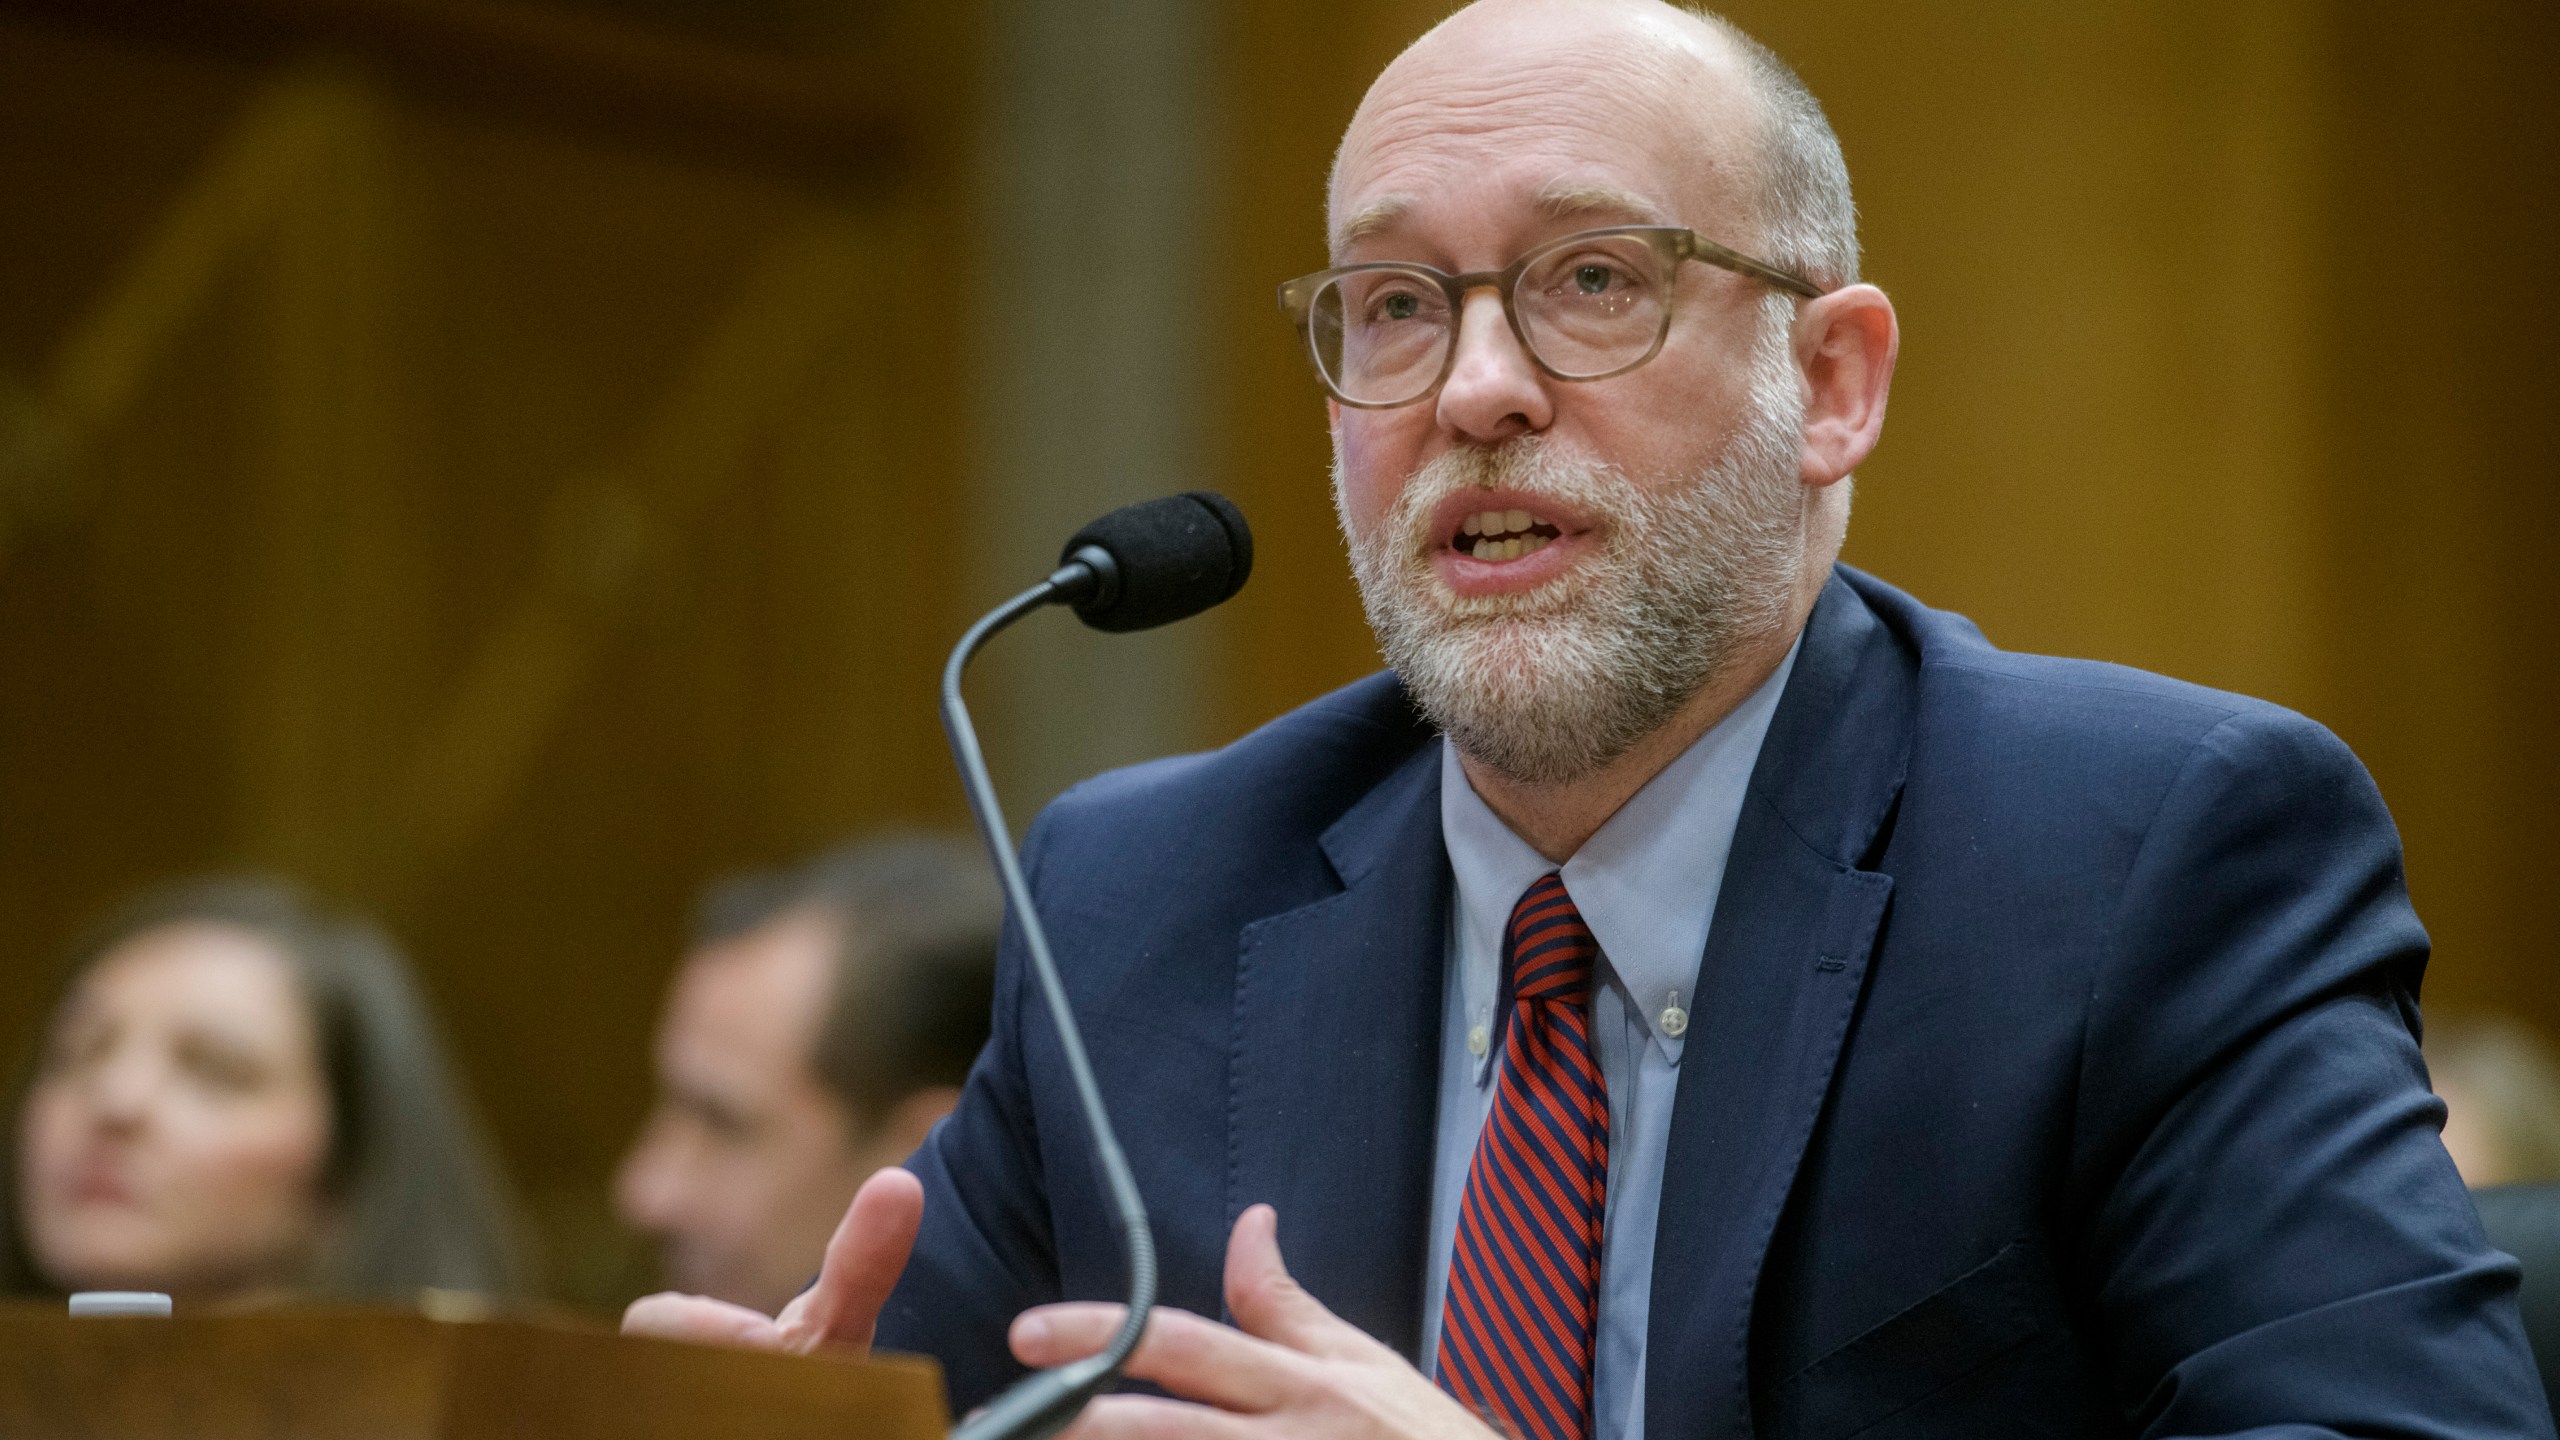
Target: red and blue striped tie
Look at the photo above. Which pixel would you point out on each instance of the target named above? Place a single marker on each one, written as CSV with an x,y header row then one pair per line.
x,y
1524,1280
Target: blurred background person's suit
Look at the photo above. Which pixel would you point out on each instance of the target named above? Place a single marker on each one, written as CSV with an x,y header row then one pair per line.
x,y
239,1095
820,1027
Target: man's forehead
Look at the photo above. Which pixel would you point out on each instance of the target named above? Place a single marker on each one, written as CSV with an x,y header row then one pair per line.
x,y
1564,200
1623,120
762,986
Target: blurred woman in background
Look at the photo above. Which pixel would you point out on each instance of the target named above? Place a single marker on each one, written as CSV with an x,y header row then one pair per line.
x,y
240,1097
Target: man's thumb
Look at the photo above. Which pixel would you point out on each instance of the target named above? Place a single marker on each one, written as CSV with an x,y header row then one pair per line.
x,y
864,1259
1266,1302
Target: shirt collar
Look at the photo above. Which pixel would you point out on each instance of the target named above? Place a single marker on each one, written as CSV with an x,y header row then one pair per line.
x,y
1646,883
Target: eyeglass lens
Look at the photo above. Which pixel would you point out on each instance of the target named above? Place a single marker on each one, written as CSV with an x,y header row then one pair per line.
x,y
1587,309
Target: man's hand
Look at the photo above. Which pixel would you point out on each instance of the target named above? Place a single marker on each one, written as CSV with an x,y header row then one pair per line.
x,y
840,1310
1292,1369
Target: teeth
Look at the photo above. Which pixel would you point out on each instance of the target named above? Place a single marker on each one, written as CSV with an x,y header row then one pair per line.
x,y
1501,535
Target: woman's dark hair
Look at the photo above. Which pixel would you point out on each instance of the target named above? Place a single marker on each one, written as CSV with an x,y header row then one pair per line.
x,y
415,1200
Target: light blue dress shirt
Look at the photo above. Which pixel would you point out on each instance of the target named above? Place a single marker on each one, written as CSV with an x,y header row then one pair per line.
x,y
1646,884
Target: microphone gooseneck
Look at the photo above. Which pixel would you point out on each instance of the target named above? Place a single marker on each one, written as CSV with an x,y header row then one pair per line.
x,y
1148,564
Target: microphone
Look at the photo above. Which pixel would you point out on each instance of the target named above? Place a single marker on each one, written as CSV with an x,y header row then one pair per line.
x,y
1140,566
1157,561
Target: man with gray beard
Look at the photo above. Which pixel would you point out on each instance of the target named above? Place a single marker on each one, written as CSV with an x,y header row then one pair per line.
x,y
1699,990
1551,683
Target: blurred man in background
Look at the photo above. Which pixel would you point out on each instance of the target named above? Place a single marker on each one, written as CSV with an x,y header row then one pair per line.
x,y
819,1028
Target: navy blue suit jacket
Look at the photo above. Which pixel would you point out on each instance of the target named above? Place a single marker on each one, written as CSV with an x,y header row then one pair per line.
x,y
2053,1069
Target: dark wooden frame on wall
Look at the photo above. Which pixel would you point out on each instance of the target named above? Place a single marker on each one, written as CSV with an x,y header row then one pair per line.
x,y
808,123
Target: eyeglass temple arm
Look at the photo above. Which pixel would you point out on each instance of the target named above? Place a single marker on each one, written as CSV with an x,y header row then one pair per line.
x,y
1699,247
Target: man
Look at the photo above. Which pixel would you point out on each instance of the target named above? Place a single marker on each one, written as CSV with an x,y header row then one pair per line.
x,y
822,1024
1745,1002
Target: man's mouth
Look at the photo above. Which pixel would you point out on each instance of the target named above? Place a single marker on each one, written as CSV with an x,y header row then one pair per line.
x,y
1497,535
1500,545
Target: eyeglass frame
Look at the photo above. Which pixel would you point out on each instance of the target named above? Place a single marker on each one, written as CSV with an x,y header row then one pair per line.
x,y
1674,243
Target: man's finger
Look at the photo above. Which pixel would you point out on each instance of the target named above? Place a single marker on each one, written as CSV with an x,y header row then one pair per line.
x,y
864,1259
1195,1358
1268,1303
701,1320
1145,1417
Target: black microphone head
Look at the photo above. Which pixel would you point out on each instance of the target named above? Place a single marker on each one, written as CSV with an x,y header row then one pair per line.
x,y
1175,557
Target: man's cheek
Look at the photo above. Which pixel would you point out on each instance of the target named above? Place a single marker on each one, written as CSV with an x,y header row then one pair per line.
x,y
1366,483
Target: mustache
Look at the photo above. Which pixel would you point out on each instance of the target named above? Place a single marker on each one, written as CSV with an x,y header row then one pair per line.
x,y
1531,465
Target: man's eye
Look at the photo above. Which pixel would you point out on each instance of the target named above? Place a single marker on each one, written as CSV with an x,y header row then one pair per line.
x,y
1402,306
1592,279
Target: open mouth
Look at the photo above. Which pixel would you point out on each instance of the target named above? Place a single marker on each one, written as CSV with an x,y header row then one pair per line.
x,y
1497,535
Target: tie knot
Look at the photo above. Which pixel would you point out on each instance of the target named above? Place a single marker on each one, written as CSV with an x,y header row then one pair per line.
x,y
1550,950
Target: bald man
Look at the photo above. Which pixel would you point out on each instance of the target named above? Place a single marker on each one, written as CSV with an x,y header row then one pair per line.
x,y
1699,990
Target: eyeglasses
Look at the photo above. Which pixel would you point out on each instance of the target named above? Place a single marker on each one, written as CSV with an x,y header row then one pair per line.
x,y
1587,306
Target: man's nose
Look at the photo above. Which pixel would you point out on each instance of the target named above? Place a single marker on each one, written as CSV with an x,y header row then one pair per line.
x,y
1494,390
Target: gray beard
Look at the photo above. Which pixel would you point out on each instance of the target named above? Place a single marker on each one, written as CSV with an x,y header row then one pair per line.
x,y
1554,684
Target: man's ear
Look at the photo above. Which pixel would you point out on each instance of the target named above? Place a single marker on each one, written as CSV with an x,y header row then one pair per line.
x,y
1846,342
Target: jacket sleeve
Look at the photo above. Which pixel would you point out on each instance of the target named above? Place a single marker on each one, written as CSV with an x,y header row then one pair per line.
x,y
985,1252
2273,1236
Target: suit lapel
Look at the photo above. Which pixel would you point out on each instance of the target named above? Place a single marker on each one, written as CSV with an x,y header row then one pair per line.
x,y
1785,959
1334,1085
